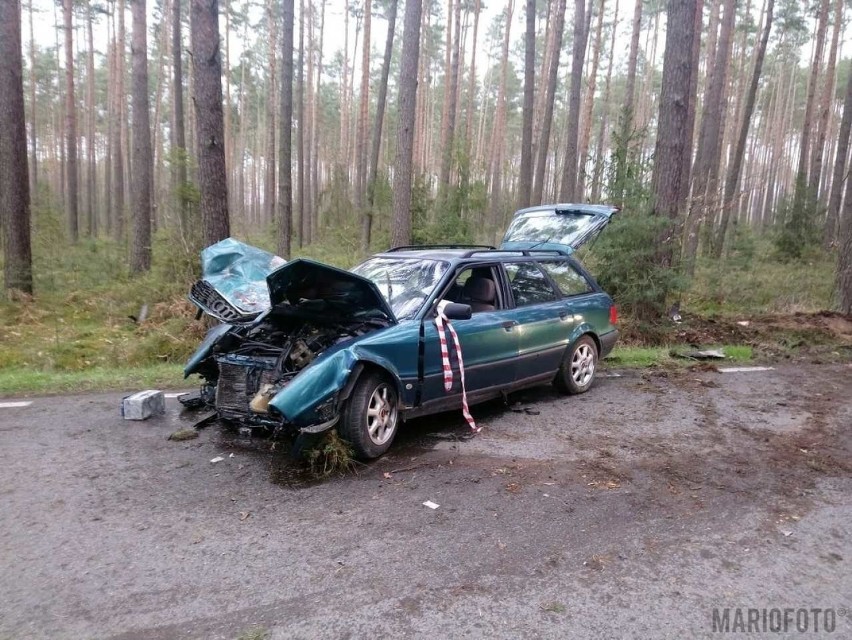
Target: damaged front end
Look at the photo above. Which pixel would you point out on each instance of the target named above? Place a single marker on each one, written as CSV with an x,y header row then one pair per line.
x,y
310,313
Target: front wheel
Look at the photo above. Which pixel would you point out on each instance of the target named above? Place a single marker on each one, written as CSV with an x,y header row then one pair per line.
x,y
578,368
371,416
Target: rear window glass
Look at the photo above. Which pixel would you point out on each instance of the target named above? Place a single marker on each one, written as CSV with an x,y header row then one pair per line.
x,y
568,280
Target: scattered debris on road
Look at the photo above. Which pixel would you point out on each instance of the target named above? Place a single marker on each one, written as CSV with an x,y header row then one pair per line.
x,y
143,404
217,459
431,505
744,369
183,434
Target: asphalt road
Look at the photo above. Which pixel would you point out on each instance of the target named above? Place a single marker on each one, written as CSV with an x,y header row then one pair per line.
x,y
631,512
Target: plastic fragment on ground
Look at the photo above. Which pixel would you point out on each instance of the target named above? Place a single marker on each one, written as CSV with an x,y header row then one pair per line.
x,y
143,405
431,505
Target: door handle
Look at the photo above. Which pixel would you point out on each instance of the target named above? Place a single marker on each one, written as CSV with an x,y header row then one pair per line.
x,y
508,325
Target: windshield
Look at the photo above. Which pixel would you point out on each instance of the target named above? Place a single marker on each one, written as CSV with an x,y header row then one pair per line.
x,y
546,226
404,282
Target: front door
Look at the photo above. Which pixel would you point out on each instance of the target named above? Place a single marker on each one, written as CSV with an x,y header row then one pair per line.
x,y
489,339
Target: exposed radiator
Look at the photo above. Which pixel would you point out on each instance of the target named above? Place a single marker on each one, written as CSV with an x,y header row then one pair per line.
x,y
240,378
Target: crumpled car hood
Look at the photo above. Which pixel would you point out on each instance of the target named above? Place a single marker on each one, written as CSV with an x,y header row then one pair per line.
x,y
311,285
233,281
240,282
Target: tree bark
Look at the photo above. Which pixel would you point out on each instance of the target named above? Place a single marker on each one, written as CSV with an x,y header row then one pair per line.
x,y
366,230
670,169
526,172
33,136
568,186
70,123
499,127
14,176
117,215
550,96
300,131
826,101
453,90
92,167
207,72
844,255
285,129
840,175
706,170
179,139
802,198
588,105
269,183
733,178
405,133
363,134
140,187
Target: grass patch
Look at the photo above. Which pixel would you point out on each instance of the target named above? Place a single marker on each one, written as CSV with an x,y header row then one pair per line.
x,y
255,633
29,381
330,455
640,357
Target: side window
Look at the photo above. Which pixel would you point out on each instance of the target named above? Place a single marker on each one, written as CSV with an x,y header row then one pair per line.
x,y
528,284
476,286
569,281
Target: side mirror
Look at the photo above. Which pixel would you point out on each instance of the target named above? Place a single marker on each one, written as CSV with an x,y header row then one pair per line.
x,y
457,311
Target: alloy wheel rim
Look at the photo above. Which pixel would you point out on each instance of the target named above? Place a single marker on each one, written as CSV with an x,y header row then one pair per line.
x,y
382,414
583,365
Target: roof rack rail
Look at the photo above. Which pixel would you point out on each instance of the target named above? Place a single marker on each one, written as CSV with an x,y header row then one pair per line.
x,y
417,247
523,252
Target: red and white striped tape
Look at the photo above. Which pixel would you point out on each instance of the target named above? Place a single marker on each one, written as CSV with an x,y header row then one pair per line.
x,y
441,320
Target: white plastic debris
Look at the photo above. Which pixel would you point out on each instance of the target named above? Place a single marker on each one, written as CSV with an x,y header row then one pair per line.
x,y
431,505
744,369
143,405
217,459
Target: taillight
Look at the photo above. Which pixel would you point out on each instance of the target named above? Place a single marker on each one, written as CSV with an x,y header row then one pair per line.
x,y
613,315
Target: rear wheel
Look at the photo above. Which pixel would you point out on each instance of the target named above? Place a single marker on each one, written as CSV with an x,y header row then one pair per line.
x,y
371,416
579,365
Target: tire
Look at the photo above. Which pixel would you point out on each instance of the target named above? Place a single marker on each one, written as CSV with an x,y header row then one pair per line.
x,y
579,366
371,416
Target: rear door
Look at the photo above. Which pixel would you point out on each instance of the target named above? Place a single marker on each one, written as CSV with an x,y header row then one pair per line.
x,y
544,322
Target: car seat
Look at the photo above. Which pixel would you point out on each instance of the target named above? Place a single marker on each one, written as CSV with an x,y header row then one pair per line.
x,y
479,293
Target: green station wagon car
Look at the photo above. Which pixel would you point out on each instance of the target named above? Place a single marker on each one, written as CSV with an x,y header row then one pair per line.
x,y
304,347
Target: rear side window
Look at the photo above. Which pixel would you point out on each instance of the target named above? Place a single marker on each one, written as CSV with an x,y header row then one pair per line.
x,y
528,284
569,281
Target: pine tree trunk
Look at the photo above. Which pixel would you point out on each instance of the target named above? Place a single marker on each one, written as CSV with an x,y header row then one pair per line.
x,y
802,198
706,170
453,91
844,255
70,123
588,105
366,231
179,140
300,131
826,101
550,96
33,136
363,134
285,128
568,185
499,128
269,182
600,161
401,234
733,178
140,197
673,138
92,167
840,175
117,216
526,173
207,72
14,177
315,128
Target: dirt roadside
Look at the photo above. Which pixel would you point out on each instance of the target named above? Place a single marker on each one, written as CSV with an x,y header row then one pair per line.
x,y
631,511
